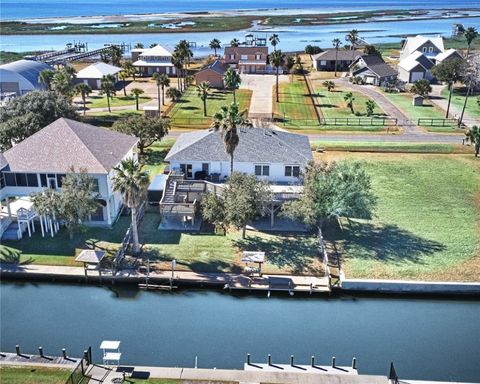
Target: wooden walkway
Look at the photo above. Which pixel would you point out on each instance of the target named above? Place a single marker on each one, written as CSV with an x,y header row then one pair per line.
x,y
271,283
26,359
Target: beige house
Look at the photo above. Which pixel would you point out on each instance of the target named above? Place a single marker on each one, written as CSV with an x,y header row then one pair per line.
x,y
247,59
93,74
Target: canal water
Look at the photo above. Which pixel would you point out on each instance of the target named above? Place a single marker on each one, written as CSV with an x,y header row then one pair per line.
x,y
427,339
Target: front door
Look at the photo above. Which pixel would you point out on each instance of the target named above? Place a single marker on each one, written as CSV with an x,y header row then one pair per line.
x,y
52,183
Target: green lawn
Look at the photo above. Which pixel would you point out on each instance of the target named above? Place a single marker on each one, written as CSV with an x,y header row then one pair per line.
x,y
60,250
106,119
188,110
426,224
458,100
426,111
115,101
33,375
154,156
389,147
208,252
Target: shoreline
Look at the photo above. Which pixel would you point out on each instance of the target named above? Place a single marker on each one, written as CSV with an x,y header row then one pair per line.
x,y
219,21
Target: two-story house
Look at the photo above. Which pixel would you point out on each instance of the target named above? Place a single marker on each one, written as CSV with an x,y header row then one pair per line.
x,y
156,59
247,59
419,55
43,159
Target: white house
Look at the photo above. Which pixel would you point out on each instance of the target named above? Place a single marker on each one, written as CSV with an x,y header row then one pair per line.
x,y
275,156
419,55
156,59
93,74
43,159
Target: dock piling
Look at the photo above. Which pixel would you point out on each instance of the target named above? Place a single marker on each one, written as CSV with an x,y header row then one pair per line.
x,y
248,359
64,353
17,349
40,351
313,361
269,359
333,362
85,356
354,363
291,360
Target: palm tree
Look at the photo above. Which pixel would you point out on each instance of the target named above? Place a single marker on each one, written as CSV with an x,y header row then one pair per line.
x,y
235,42
173,93
83,90
153,45
215,44
164,81
138,46
353,38
156,77
277,58
336,44
470,35
136,92
107,87
203,90
131,182
123,75
129,68
450,71
330,85
227,120
350,99
45,77
232,81
177,62
274,40
473,136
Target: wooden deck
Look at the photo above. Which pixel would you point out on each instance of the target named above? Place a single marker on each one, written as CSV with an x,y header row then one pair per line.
x,y
26,359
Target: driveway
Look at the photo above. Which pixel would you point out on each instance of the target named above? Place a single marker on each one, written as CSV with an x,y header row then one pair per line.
x,y
437,98
262,88
390,109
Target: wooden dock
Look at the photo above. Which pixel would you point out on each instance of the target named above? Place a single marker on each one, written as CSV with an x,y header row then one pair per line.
x,y
319,369
290,284
26,359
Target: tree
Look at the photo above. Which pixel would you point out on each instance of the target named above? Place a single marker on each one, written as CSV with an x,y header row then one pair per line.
x,y
112,55
473,137
277,59
136,92
349,98
232,81
62,81
274,40
332,190
123,75
227,120
83,90
312,49
370,50
449,71
148,130
471,34
24,115
235,42
45,77
213,210
215,44
471,80
370,106
330,85
354,39
203,90
132,183
336,44
162,80
421,87
177,62
173,93
107,87
153,45
129,68
138,46
290,62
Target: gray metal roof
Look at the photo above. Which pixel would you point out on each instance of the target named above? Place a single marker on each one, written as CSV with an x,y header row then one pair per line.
x,y
381,70
256,145
341,55
216,66
66,143
29,69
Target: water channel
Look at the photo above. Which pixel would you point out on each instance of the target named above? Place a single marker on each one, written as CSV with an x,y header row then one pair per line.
x,y
426,338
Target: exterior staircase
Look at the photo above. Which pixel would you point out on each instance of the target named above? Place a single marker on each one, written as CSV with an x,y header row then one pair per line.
x,y
11,233
169,193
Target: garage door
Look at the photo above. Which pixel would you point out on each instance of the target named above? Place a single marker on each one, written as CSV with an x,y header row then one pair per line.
x,y
7,86
416,76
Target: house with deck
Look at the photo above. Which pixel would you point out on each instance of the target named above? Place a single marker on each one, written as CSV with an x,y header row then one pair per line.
x,y
199,164
43,159
372,69
153,60
419,55
247,59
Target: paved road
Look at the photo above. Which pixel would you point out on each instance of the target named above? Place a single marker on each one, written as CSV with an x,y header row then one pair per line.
x,y
390,109
262,88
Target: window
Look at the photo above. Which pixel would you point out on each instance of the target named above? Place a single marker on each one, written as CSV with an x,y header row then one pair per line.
x,y
292,170
59,180
244,57
262,170
258,57
2,180
96,187
430,49
10,179
205,168
323,62
32,180
43,180
232,57
424,49
98,214
21,179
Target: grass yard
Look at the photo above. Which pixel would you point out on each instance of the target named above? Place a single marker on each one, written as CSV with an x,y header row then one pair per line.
x,y
33,375
427,221
107,119
458,100
115,101
154,156
207,252
188,111
295,105
426,111
60,250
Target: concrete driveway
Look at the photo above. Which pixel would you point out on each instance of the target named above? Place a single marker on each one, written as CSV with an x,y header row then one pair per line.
x,y
262,88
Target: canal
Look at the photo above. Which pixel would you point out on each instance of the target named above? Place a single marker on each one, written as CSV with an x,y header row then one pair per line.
x,y
426,338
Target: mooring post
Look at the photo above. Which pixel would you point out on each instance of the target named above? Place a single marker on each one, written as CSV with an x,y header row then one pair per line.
x,y
269,359
17,349
248,359
333,362
354,363
313,361
64,353
291,360
40,351
85,356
